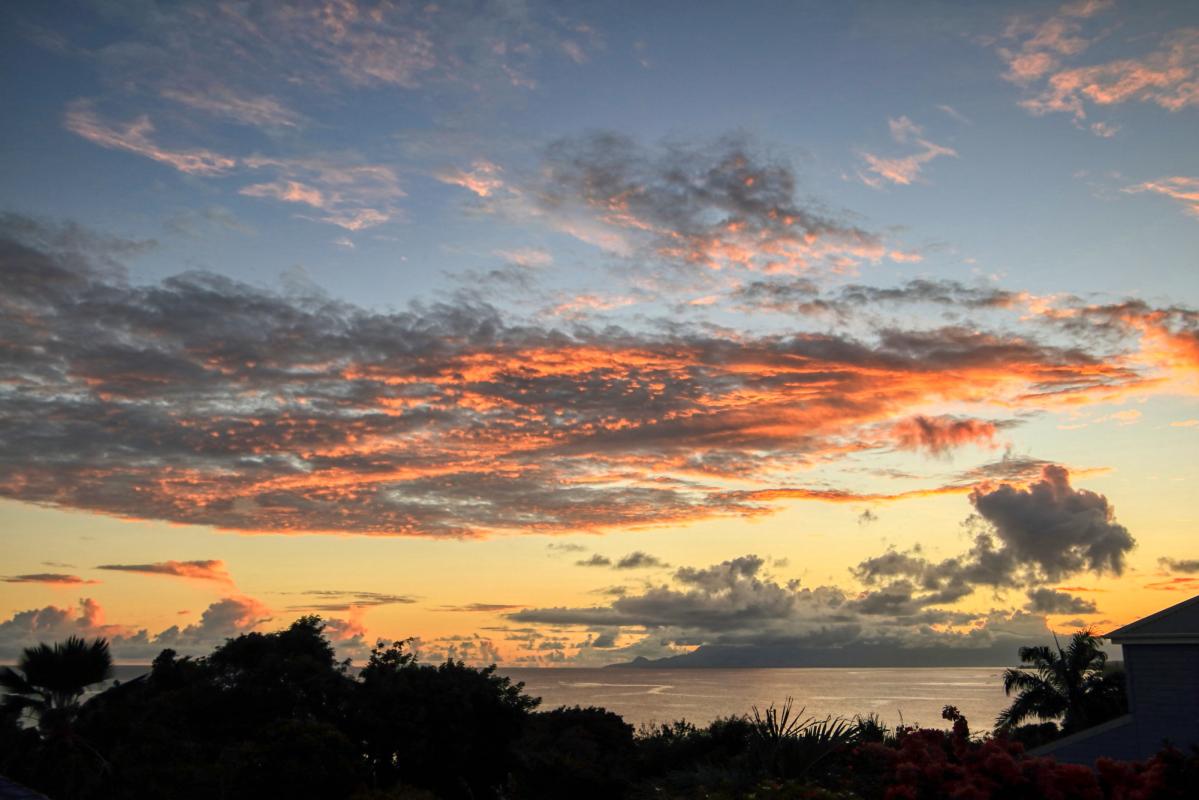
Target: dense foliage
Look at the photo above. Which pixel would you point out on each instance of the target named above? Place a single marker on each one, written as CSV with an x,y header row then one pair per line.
x,y
276,715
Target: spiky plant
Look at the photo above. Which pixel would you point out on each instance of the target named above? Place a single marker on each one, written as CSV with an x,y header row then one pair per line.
x,y
871,728
790,746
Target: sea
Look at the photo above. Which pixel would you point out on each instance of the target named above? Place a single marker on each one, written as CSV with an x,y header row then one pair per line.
x,y
900,695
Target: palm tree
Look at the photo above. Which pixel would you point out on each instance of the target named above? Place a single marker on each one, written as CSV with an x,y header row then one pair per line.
x,y
51,679
1072,684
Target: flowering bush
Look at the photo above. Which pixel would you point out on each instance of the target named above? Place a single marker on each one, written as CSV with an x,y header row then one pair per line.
x,y
925,764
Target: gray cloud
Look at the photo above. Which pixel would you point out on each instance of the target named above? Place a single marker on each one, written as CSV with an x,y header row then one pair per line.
x,y
717,205
804,296
1022,537
1179,564
340,600
637,560
596,560
1008,468
1052,601
735,604
605,639
565,547
227,617
56,578
341,48
483,607
722,598
1054,529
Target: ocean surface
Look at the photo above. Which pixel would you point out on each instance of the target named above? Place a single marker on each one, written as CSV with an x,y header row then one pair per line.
x,y
647,696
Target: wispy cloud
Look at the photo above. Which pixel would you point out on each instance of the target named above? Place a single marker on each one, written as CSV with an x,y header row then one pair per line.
x,y
227,103
902,170
1182,189
341,600
483,608
954,114
208,570
1043,42
639,560
135,137
348,193
691,207
1179,564
1167,76
482,178
52,578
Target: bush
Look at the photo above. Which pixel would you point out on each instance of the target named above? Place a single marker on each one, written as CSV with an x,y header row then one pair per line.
x,y
450,729
581,753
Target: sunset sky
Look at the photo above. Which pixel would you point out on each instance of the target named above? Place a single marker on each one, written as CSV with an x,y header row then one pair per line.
x,y
562,333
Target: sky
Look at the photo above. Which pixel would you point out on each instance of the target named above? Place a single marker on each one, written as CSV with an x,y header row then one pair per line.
x,y
557,334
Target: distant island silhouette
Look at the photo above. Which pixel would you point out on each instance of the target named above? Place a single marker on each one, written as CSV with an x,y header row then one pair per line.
x,y
853,655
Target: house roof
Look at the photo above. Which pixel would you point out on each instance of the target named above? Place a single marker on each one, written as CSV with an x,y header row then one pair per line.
x,y
1174,625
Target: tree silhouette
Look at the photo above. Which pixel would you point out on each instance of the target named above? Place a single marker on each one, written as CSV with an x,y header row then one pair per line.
x,y
52,678
1072,684
48,685
449,728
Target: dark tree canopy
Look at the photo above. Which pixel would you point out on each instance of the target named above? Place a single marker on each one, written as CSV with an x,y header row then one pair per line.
x,y
269,715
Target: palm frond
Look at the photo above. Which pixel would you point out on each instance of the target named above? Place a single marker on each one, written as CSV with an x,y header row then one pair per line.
x,y
1036,656
67,668
1022,680
14,682
1038,703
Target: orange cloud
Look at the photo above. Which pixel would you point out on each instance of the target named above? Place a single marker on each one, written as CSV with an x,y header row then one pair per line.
x,y
1167,77
483,178
1175,585
211,570
1183,189
902,170
939,435
288,192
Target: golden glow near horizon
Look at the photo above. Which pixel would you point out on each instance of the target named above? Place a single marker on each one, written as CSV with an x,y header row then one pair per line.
x,y
551,346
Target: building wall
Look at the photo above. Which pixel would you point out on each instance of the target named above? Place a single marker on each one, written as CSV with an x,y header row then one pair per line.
x,y
1163,694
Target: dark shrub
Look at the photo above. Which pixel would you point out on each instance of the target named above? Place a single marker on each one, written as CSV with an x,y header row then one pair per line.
x,y
580,753
299,760
450,729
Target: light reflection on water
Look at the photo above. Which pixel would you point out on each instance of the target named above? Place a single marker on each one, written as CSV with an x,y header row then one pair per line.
x,y
913,696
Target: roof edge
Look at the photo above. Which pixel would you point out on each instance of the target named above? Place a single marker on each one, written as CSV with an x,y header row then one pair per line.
x,y
1134,628
1048,748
